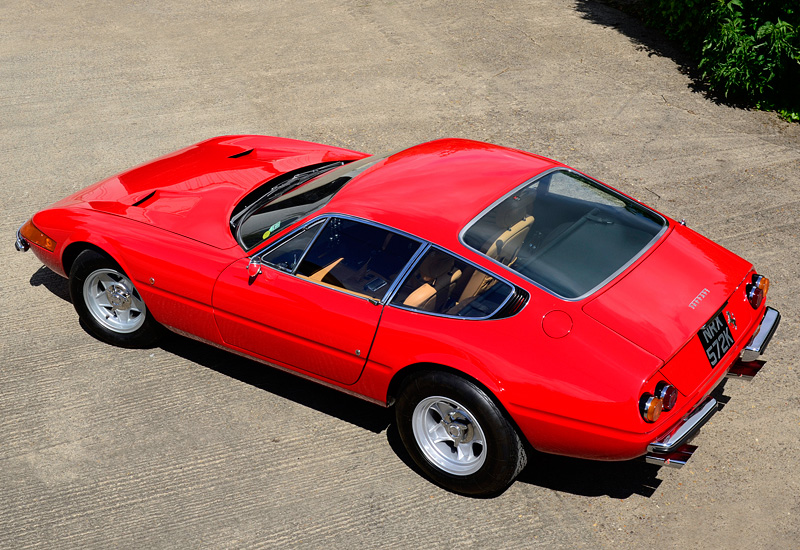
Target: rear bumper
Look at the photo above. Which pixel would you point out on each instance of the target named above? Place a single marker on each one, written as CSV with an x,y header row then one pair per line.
x,y
672,449
661,451
758,344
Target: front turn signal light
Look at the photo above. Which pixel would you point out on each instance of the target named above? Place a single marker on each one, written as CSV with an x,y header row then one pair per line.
x,y
34,235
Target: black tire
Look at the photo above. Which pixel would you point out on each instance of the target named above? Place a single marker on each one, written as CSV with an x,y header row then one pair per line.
x,y
118,316
437,403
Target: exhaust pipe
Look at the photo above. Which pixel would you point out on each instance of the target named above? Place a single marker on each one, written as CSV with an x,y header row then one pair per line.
x,y
745,371
675,459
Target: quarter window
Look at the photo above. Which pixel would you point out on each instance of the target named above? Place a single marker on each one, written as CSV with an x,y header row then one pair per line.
x,y
445,285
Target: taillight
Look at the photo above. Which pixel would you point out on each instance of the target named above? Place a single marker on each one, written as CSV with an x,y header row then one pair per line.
x,y
34,235
757,290
668,395
650,406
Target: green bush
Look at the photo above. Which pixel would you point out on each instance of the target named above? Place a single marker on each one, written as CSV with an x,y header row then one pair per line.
x,y
747,50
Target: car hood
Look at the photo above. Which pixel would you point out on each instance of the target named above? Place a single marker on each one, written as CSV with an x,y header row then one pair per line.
x,y
193,191
663,301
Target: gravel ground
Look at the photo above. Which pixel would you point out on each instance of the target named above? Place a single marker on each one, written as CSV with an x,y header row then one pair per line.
x,y
184,446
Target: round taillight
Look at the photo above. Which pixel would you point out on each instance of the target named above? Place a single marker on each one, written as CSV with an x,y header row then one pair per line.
x,y
650,407
755,296
668,395
757,290
761,282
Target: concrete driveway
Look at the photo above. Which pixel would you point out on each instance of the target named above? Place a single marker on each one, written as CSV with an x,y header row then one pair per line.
x,y
185,446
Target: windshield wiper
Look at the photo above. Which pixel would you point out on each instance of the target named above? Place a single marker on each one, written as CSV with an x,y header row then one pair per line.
x,y
283,187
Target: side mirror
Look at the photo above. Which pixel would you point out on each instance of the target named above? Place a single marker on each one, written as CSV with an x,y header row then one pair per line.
x,y
254,268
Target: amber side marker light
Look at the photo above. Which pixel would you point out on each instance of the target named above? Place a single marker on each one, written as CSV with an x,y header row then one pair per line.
x,y
757,290
33,235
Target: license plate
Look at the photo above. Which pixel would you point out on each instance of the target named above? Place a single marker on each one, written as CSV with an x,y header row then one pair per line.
x,y
716,338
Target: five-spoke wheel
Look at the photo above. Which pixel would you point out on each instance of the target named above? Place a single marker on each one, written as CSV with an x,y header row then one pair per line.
x,y
108,303
113,301
448,435
457,434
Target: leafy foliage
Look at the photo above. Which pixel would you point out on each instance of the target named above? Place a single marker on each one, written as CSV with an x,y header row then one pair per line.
x,y
748,50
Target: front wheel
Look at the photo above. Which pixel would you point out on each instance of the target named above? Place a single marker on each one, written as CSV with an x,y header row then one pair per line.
x,y
457,435
108,304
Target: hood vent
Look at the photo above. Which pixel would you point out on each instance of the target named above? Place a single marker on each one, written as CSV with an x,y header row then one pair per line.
x,y
144,199
242,154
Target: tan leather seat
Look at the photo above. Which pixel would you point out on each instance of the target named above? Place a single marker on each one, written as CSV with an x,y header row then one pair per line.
x,y
513,221
437,279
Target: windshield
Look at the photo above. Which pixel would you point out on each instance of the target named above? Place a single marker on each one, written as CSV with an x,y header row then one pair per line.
x,y
291,199
565,232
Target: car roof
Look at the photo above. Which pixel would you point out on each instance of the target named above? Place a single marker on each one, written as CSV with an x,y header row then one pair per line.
x,y
434,189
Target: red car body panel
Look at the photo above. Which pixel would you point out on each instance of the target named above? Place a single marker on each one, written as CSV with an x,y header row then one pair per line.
x,y
182,192
676,272
433,190
570,373
273,323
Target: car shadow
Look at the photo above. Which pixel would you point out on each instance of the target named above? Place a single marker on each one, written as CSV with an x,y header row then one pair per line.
x,y
56,284
569,475
563,474
591,478
328,401
587,478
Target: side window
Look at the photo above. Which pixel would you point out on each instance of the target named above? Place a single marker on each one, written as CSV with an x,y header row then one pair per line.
x,y
357,257
286,255
443,284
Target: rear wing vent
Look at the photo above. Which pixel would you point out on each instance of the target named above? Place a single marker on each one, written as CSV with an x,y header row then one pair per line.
x,y
242,154
514,304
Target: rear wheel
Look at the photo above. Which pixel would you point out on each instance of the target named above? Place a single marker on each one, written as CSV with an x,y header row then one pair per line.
x,y
109,304
457,435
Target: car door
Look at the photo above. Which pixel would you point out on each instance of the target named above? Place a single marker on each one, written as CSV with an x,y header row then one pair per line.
x,y
316,304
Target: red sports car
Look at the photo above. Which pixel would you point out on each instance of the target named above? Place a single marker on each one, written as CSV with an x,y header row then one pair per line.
x,y
500,301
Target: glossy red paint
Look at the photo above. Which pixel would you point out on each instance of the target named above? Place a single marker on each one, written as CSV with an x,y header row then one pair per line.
x,y
433,190
274,322
568,372
192,192
678,270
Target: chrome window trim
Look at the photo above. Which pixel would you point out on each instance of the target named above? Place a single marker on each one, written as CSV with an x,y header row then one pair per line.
x,y
330,215
283,240
473,264
591,181
401,276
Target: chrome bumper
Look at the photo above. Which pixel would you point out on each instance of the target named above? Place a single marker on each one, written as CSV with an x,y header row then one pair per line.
x,y
763,335
21,244
671,449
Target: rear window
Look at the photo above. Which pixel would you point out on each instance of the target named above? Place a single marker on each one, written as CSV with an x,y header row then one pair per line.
x,y
565,232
